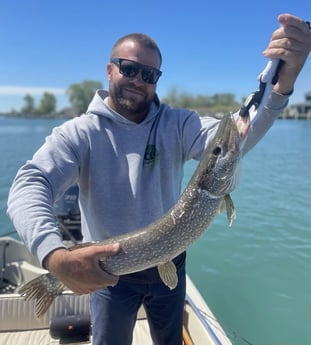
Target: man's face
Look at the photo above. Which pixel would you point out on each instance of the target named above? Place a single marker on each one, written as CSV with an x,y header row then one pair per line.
x,y
131,96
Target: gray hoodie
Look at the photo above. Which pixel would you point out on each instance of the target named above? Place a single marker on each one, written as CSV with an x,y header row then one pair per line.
x,y
128,174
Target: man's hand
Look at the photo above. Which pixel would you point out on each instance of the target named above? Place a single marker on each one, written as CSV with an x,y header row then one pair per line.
x,y
79,269
292,44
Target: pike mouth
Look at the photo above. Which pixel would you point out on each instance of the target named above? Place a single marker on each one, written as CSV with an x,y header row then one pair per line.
x,y
243,125
232,132
230,136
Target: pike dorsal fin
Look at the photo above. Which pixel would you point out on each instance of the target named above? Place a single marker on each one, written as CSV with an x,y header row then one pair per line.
x,y
168,274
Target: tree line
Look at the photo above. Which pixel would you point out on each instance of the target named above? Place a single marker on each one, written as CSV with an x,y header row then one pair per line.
x,y
203,104
80,95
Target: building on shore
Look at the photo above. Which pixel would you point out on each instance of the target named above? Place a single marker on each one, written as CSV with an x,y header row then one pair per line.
x,y
299,110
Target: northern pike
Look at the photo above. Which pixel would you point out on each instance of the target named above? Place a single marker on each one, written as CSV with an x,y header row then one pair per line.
x,y
158,243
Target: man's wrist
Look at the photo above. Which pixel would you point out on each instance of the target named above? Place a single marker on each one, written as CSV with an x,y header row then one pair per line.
x,y
283,93
46,263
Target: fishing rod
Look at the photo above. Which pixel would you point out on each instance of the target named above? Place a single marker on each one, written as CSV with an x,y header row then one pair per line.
x,y
230,334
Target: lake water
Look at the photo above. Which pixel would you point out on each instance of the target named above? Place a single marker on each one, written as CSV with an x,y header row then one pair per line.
x,y
256,275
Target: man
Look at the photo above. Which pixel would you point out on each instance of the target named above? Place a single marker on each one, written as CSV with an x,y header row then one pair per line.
x,y
127,155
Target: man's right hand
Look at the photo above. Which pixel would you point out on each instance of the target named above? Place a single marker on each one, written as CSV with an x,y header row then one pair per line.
x,y
79,269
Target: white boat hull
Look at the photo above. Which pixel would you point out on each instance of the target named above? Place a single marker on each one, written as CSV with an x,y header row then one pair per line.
x,y
18,325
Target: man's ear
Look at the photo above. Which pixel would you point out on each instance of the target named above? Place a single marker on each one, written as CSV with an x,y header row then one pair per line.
x,y
109,71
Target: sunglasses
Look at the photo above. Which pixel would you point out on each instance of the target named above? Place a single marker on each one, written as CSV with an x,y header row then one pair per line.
x,y
130,69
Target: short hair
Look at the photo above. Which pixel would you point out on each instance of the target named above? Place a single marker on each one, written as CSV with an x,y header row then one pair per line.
x,y
143,39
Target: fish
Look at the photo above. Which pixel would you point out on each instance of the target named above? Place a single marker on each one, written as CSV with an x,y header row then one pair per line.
x,y
157,244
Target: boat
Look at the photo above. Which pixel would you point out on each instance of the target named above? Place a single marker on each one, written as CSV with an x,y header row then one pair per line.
x,y
68,319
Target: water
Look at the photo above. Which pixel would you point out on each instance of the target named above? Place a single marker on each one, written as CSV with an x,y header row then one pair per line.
x,y
256,275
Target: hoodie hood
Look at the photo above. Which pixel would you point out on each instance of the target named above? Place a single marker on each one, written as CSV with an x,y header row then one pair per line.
x,y
99,106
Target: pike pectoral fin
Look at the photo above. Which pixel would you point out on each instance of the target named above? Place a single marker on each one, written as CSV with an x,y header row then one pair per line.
x,y
231,213
168,274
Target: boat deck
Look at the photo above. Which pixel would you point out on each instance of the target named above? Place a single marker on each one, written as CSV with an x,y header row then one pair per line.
x,y
18,325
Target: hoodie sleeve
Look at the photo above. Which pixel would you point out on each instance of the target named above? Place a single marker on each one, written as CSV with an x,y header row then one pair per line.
x,y
264,119
37,185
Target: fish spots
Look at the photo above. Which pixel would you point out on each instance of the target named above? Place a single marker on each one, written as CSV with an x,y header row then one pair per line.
x,y
178,212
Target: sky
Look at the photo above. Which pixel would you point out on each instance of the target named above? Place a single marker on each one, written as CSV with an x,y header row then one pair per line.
x,y
208,47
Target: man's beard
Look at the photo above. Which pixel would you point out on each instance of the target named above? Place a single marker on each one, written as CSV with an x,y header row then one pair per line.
x,y
128,105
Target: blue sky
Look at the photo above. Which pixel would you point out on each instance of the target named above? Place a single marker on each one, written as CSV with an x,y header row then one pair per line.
x,y
207,46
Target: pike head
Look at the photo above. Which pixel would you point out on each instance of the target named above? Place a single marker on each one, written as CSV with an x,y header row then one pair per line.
x,y
217,169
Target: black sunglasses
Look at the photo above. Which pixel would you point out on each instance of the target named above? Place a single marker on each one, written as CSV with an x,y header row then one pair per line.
x,y
130,69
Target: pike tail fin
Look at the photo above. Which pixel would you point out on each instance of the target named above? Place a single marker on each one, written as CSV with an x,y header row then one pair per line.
x,y
43,291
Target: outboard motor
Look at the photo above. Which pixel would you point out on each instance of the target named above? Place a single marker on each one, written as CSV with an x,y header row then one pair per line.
x,y
6,286
68,215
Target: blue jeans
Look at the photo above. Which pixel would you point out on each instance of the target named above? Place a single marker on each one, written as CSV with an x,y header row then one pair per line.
x,y
114,311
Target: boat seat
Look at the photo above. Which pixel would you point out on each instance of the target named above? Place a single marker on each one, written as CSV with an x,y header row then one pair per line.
x,y
21,271
16,314
19,326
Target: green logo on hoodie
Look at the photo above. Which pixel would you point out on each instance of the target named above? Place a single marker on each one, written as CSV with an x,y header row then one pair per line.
x,y
151,156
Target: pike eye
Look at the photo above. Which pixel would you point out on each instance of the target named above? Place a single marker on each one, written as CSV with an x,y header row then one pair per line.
x,y
217,151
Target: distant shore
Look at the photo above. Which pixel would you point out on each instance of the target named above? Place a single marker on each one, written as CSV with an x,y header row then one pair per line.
x,y
287,114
